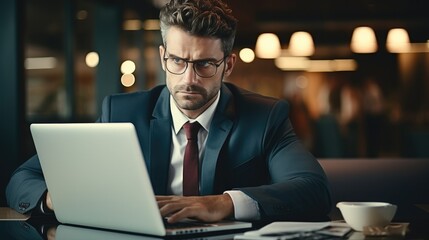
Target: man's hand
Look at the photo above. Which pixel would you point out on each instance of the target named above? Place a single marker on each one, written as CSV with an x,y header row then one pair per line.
x,y
49,202
51,233
204,208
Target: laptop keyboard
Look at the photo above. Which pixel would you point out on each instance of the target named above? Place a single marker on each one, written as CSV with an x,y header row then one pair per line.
x,y
179,225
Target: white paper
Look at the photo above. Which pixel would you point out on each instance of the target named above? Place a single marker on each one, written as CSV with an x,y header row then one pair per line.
x,y
287,227
293,230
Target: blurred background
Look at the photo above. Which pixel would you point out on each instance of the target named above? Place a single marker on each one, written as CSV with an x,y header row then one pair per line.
x,y
354,72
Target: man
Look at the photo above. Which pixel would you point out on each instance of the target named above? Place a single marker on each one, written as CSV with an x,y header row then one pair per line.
x,y
251,164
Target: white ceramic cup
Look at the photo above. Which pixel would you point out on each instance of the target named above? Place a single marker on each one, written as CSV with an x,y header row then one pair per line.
x,y
367,214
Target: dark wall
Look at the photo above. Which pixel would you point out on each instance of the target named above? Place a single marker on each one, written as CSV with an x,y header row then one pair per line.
x,y
11,90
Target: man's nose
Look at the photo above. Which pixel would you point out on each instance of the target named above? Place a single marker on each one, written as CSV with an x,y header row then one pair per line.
x,y
190,75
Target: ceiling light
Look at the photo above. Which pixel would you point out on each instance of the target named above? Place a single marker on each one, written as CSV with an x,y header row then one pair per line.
x,y
363,40
398,40
301,44
128,80
92,59
268,46
128,67
247,55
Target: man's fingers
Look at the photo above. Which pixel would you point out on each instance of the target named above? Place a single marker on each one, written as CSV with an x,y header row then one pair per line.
x,y
168,208
203,208
176,211
161,198
186,212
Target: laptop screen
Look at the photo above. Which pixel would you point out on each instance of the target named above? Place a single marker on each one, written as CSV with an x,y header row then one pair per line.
x,y
96,176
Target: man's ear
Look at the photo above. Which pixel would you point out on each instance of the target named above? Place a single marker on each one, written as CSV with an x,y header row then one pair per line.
x,y
161,56
230,63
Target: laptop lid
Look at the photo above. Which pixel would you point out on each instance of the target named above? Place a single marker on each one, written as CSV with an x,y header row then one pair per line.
x,y
96,176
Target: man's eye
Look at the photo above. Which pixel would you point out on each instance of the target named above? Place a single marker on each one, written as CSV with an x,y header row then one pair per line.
x,y
178,61
204,64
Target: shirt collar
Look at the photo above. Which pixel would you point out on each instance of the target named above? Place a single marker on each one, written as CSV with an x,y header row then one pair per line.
x,y
204,119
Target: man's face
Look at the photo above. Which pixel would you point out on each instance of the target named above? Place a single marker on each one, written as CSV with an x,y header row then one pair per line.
x,y
192,93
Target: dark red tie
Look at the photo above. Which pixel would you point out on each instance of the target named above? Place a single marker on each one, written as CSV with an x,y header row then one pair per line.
x,y
190,162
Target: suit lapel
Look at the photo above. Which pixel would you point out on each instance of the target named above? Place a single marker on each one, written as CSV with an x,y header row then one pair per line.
x,y
220,127
160,144
160,147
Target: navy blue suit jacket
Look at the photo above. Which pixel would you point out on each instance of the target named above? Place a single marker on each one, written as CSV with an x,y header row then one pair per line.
x,y
251,146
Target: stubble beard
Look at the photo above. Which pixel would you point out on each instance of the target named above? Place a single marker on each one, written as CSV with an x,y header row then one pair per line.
x,y
195,101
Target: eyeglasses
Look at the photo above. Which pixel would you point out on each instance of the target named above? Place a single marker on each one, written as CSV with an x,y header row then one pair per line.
x,y
203,68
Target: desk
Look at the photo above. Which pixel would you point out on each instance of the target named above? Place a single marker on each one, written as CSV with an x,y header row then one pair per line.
x,y
7,214
48,228
425,207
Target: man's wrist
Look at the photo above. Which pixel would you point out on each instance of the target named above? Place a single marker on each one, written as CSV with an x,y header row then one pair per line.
x,y
43,205
230,206
245,208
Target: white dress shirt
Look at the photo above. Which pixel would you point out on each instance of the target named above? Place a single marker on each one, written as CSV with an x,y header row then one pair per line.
x,y
245,208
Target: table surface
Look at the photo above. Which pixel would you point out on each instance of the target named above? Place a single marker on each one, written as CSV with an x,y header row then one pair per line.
x,y
8,214
425,207
18,226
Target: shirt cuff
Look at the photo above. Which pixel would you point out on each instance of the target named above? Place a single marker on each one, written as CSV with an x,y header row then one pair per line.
x,y
245,208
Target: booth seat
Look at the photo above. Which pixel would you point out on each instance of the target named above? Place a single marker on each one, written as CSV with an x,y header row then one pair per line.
x,y
404,182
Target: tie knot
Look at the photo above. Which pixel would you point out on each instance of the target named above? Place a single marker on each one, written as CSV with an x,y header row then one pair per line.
x,y
191,130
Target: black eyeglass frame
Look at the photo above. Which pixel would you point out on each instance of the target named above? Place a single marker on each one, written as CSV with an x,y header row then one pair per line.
x,y
216,63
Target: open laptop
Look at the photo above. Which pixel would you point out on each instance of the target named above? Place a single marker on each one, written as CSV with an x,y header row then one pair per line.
x,y
96,176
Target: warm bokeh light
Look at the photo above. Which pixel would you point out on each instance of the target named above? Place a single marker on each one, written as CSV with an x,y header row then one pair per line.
x,y
336,65
132,25
363,40
128,67
301,82
301,44
82,15
292,63
247,55
268,46
305,64
92,59
344,65
320,66
128,80
151,25
398,40
40,63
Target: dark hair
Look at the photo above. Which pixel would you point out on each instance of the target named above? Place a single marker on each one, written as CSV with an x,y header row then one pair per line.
x,y
204,18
